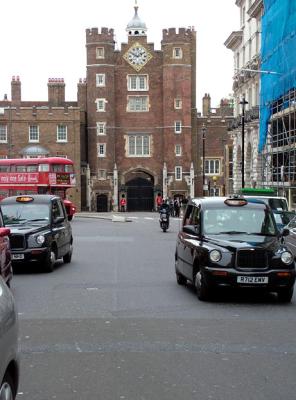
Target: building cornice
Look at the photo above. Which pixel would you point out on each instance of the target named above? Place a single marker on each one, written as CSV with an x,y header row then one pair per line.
x,y
256,9
234,40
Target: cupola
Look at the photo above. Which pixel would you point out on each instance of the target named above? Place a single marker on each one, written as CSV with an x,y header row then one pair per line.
x,y
136,27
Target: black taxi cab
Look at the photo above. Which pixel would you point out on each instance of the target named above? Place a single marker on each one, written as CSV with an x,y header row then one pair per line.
x,y
39,229
233,242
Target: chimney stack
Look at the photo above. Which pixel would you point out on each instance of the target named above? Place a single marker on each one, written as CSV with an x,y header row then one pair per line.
x,y
56,92
206,105
16,96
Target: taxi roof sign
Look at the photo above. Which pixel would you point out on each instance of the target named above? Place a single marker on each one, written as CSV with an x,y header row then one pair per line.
x,y
236,201
24,199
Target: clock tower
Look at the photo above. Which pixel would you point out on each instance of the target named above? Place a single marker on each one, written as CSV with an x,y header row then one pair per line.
x,y
140,114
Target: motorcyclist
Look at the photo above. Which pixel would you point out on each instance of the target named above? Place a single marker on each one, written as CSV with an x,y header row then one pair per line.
x,y
165,208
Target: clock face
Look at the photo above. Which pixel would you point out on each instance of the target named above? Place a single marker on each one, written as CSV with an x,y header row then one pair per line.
x,y
137,56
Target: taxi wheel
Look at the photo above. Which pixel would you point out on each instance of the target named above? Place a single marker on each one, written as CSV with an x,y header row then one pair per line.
x,y
181,280
7,390
67,257
285,295
50,261
202,290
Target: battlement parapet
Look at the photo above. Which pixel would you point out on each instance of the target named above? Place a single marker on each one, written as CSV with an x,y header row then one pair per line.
x,y
180,34
102,35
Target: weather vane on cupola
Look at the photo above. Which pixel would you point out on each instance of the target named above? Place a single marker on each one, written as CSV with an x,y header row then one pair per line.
x,y
136,27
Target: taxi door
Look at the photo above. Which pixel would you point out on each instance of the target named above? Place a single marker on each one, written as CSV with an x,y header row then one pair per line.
x,y
189,242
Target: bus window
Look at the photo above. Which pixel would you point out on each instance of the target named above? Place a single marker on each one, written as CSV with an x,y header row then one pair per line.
x,y
4,168
58,168
69,168
43,167
20,168
32,168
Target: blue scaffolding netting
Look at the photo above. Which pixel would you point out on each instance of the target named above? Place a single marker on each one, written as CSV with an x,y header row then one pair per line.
x,y
278,55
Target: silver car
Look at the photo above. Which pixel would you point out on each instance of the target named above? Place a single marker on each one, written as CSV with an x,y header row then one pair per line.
x,y
9,356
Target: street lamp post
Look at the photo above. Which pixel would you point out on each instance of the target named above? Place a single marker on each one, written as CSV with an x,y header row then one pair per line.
x,y
203,129
243,102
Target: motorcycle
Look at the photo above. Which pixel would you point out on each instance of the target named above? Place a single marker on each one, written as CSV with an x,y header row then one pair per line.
x,y
164,221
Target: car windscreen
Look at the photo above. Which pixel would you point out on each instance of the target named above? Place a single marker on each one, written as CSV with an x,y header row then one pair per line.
x,y
238,220
17,213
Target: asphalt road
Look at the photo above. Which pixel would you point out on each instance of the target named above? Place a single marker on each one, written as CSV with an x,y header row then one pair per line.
x,y
114,324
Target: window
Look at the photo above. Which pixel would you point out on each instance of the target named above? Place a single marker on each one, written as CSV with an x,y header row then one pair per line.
x,y
100,52
137,103
100,80
102,174
32,168
178,104
178,173
62,133
177,52
178,150
101,128
34,133
137,82
138,145
178,126
214,191
57,210
101,149
101,105
212,167
3,134
43,168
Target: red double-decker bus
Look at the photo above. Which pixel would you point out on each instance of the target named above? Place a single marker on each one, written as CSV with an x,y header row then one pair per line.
x,y
38,175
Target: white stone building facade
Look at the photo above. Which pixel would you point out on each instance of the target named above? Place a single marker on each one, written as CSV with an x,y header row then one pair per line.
x,y
245,44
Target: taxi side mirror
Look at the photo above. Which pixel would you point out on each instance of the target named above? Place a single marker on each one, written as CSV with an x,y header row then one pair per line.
x,y
58,220
285,232
191,229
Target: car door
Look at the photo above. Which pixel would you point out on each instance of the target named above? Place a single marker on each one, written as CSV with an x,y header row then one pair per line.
x,y
189,241
58,226
5,256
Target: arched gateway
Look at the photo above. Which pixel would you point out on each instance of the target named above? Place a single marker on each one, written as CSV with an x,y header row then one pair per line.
x,y
140,193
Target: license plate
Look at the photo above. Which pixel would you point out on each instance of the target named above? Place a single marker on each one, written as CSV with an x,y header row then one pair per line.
x,y
252,279
17,256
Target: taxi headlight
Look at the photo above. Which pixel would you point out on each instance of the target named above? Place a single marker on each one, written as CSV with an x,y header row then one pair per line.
x,y
40,239
286,257
215,255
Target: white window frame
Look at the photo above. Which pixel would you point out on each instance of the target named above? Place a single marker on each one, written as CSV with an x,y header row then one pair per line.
x,y
178,173
100,80
137,103
101,128
101,149
34,140
211,166
137,83
178,127
139,145
214,191
64,139
177,53
178,103
101,105
100,52
3,133
178,150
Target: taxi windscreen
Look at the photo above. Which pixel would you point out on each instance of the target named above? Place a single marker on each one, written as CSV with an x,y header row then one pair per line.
x,y
24,212
238,220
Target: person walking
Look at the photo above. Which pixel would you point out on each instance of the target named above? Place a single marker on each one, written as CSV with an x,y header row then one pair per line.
x,y
122,203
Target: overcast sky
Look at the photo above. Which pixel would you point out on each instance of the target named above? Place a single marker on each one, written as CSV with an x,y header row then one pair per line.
x,y
46,39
